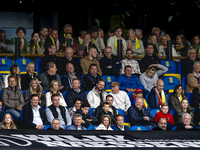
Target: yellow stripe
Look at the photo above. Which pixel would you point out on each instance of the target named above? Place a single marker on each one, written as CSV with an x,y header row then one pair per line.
x,y
4,72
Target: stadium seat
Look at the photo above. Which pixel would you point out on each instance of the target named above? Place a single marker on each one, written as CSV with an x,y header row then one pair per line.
x,y
22,62
47,127
189,97
172,112
170,65
124,125
5,64
86,92
180,71
93,127
130,95
153,112
21,113
1,93
184,83
138,128
170,82
122,112
92,111
38,68
108,79
174,128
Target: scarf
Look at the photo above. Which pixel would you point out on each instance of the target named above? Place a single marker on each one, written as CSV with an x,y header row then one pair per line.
x,y
145,102
137,43
162,98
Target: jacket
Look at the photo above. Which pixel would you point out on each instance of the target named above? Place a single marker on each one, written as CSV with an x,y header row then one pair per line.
x,y
161,52
178,115
132,82
116,128
27,116
3,127
91,81
181,126
191,82
102,127
94,99
187,65
75,127
86,62
168,117
195,98
99,45
11,99
25,81
176,102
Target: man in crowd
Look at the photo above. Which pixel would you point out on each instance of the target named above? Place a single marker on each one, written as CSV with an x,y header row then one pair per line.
x,y
186,123
77,119
4,43
43,34
120,124
162,125
138,34
56,125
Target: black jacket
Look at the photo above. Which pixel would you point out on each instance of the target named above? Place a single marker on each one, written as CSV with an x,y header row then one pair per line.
x,y
91,81
25,81
187,66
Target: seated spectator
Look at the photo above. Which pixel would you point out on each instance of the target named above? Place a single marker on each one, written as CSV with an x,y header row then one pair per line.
x,y
54,89
50,56
157,96
75,92
164,113
68,77
35,88
7,122
129,82
77,119
49,75
33,115
77,106
112,41
4,43
97,95
2,111
186,123
149,58
120,98
26,78
150,77
99,110
56,125
188,63
195,43
81,37
182,45
109,63
176,97
135,44
92,78
138,34
14,71
139,93
87,119
13,99
105,123
157,32
69,59
162,125
55,110
120,124
139,116
185,108
35,44
23,42
152,39
43,34
131,62
193,78
90,59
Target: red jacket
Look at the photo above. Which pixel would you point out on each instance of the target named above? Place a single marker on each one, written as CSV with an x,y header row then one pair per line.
x,y
168,116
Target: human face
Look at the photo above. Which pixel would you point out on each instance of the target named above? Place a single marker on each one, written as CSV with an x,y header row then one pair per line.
x,y
68,53
140,94
20,34
150,50
34,101
118,33
162,124
44,32
69,68
160,85
186,120
85,110
184,104
120,121
192,54
196,68
114,89
128,72
129,55
35,37
108,52
94,35
52,50
53,70
196,40
56,101
179,90
31,68
110,34
100,85
76,84
55,124
93,70
54,34
8,119
34,85
150,73
3,37
87,38
109,100
164,40
77,121
17,72
77,105
68,36
106,121
68,30
139,103
157,33
165,109
12,82
106,108
178,40
131,35
55,86
153,40
93,53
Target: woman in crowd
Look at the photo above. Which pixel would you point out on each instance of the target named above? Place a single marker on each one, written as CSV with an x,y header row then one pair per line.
x,y
183,45
195,43
73,45
77,106
176,97
54,89
14,70
7,122
152,39
105,123
35,44
35,88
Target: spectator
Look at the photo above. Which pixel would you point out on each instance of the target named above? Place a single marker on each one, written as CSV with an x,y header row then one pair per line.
x,y
77,106
150,77
139,116
149,58
55,110
156,31
35,44
134,43
54,89
23,42
157,96
131,62
182,45
153,40
26,78
35,88
77,119
112,41
164,113
109,63
69,59
7,122
110,33
81,37
92,77
14,71
49,75
33,115
193,78
138,34
120,98
162,125
186,123
76,91
105,123
43,34
13,99
4,43
176,97
2,111
129,82
90,59
56,125
195,43
97,95
120,124
50,56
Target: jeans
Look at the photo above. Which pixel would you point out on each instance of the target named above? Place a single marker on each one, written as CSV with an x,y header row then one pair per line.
x,y
14,113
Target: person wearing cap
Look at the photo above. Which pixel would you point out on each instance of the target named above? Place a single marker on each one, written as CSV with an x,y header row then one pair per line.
x,y
120,98
112,41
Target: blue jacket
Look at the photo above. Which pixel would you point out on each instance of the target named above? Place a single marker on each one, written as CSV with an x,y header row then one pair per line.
x,y
74,127
133,82
116,128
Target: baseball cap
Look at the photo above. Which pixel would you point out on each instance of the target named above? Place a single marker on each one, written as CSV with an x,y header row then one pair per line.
x,y
138,91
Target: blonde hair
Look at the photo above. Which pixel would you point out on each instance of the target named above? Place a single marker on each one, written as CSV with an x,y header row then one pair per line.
x,y
51,88
160,39
12,124
39,89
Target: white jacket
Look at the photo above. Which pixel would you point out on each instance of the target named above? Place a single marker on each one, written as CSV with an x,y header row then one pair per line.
x,y
48,100
102,127
161,52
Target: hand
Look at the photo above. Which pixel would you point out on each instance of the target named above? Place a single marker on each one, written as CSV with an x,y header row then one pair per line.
x,y
130,90
146,118
155,65
40,127
38,40
88,120
19,107
108,67
83,122
188,127
73,76
61,87
117,62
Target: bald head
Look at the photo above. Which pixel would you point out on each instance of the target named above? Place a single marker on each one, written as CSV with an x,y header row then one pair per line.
x,y
160,85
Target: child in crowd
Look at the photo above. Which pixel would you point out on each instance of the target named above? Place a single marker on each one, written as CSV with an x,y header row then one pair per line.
x,y
165,113
7,122
2,112
87,119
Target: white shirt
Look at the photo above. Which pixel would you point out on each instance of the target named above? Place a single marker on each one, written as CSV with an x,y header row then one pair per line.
x,y
36,116
120,128
48,100
102,127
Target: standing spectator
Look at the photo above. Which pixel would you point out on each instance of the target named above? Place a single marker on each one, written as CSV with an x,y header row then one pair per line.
x,y
4,43
120,124
182,44
7,122
105,123
43,34
77,119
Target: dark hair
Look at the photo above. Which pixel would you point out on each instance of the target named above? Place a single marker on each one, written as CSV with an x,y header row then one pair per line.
x,y
49,65
44,27
129,50
175,88
11,76
76,99
54,29
54,95
150,44
105,103
109,96
127,66
2,31
92,65
117,27
110,31
34,95
85,105
192,41
102,80
32,43
77,79
119,115
21,28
